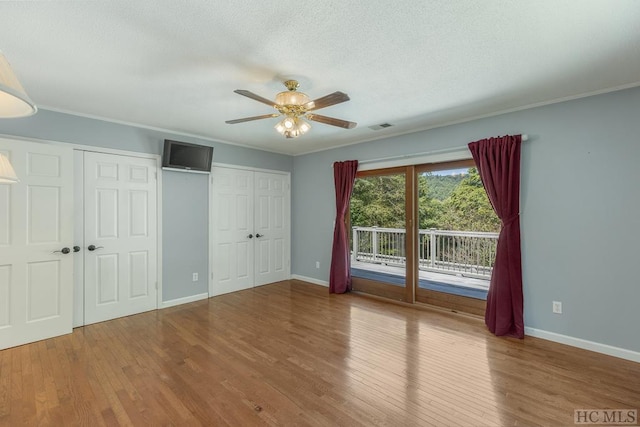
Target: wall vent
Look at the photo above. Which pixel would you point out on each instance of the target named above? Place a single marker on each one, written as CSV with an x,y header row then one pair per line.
x,y
380,126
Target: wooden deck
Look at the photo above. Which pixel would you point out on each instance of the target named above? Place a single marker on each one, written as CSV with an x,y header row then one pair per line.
x,y
292,354
453,284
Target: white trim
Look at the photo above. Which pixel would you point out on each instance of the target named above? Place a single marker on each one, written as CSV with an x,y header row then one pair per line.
x,y
103,150
156,129
622,353
82,147
184,300
210,223
436,156
159,231
310,280
248,168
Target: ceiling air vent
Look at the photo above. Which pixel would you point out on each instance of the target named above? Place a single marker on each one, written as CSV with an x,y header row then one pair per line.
x,y
380,126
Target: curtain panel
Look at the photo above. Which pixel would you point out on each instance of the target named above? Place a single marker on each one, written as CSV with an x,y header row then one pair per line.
x,y
498,163
344,176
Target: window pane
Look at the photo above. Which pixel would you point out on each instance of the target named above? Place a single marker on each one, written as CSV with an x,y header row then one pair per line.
x,y
378,229
458,233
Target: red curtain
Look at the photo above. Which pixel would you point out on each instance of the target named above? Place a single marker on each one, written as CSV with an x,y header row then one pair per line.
x,y
498,163
344,175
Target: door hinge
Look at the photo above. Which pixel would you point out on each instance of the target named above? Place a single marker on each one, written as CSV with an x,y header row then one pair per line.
x,y
156,286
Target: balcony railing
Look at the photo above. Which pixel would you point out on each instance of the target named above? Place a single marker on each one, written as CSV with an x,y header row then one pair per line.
x,y
466,253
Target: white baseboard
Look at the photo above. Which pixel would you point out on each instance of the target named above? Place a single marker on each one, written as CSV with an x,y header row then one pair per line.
x,y
310,280
622,353
183,300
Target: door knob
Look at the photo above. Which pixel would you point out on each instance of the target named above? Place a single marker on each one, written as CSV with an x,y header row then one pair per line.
x,y
93,247
259,235
250,236
63,250
76,249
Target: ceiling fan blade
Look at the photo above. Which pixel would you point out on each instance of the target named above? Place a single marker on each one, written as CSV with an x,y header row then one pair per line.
x,y
248,119
331,121
327,100
253,96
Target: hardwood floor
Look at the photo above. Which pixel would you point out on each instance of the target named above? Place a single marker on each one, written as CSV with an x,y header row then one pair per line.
x,y
291,354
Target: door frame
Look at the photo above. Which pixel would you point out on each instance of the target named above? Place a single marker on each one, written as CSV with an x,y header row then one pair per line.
x,y
103,150
211,201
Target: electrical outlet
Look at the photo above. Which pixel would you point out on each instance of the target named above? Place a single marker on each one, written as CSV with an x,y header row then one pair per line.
x,y
317,264
195,277
557,307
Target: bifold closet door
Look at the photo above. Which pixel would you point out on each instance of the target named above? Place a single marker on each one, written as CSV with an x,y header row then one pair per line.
x,y
36,240
232,231
250,229
120,236
272,226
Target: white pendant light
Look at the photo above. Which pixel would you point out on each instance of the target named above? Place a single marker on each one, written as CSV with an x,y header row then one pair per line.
x,y
14,101
7,174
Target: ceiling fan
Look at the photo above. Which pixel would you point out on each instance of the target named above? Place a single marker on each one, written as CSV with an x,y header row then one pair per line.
x,y
295,107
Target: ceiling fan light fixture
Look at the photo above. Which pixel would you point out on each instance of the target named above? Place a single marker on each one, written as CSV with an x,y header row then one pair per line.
x,y
286,125
292,127
289,123
292,98
292,134
303,126
293,106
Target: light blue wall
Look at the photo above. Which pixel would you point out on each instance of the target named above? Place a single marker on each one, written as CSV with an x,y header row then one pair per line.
x,y
185,234
580,209
184,195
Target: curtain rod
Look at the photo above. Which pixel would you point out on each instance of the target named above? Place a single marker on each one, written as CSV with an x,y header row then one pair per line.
x,y
525,137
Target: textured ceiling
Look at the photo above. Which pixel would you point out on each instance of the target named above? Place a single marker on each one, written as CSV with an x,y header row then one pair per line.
x,y
415,64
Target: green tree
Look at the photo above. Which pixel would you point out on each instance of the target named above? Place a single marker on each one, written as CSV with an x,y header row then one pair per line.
x,y
378,201
468,207
440,187
449,202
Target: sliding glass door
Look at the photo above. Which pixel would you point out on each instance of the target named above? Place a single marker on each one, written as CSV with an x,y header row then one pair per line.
x,y
424,233
457,237
381,255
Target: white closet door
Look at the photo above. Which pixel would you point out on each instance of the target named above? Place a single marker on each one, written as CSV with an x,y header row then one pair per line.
x,y
120,236
271,227
36,223
232,230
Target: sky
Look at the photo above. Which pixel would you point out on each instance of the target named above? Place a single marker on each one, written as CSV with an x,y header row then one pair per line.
x,y
462,171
